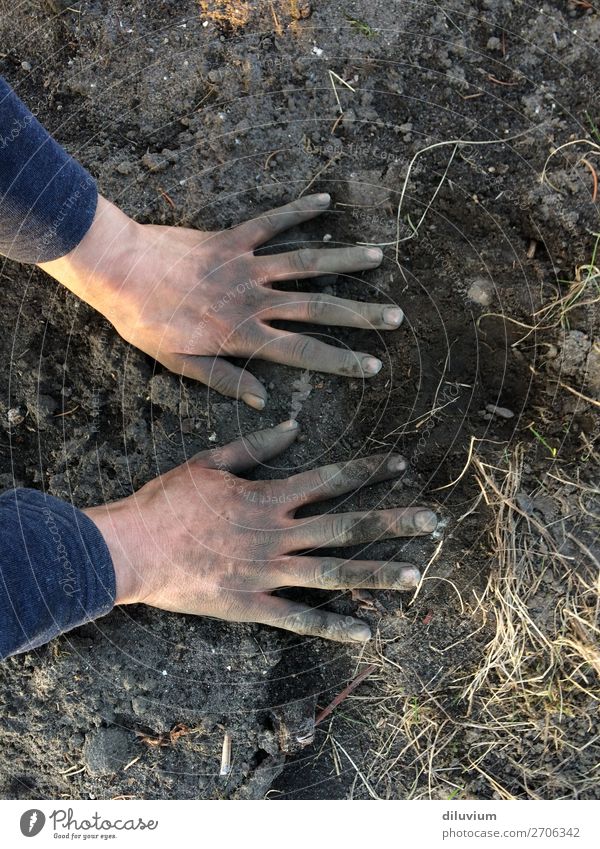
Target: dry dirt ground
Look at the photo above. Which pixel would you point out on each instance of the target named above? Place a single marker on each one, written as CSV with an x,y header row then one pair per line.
x,y
464,136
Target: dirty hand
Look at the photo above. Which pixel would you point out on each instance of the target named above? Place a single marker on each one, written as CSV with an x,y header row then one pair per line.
x,y
203,541
189,298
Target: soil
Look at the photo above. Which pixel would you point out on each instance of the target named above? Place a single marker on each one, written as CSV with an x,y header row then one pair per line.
x,y
204,114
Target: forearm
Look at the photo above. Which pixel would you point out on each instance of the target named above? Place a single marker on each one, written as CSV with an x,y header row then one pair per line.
x,y
47,199
56,571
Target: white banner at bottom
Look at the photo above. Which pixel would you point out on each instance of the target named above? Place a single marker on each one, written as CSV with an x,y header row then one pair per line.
x,y
290,824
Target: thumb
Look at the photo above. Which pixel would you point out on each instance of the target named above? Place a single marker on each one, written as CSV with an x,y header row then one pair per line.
x,y
222,376
249,451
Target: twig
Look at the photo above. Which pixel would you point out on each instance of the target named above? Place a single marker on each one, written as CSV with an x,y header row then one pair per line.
x,y
500,82
345,693
333,74
320,171
579,394
433,557
226,755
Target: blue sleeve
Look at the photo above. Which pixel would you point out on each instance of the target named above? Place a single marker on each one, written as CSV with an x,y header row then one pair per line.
x,y
55,570
47,199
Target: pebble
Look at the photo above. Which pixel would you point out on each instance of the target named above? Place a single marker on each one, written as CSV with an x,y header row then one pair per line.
x,y
503,412
481,291
15,416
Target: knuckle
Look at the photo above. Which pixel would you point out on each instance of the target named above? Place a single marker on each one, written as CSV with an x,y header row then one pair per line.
x,y
220,382
254,442
341,530
305,259
329,574
317,308
268,221
324,477
301,347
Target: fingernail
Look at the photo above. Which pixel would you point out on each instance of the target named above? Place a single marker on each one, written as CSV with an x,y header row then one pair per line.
x,y
371,365
396,464
426,520
360,632
393,316
323,198
410,577
291,424
374,254
254,401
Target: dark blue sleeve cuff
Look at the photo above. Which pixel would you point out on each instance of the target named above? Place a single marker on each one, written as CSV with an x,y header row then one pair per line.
x,y
47,199
55,570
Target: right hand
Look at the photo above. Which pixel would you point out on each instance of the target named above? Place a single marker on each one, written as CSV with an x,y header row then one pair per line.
x,y
200,540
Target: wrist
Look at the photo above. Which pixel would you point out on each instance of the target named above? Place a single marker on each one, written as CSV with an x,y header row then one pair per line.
x,y
97,269
114,521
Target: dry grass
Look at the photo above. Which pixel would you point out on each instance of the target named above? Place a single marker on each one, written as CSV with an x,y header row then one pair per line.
x,y
583,293
522,720
233,13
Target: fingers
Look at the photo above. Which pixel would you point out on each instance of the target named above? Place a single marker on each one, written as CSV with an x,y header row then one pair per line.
x,y
311,262
222,376
264,227
340,478
251,450
296,349
301,619
355,528
331,573
327,309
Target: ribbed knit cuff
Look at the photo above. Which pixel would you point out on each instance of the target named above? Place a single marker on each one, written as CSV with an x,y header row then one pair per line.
x,y
55,570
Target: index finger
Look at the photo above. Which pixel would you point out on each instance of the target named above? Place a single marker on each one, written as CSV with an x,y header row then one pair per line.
x,y
341,478
249,451
269,224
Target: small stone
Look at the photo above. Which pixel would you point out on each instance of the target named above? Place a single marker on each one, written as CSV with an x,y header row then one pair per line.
x,y
187,425
503,412
26,66
125,167
15,416
108,750
154,162
481,291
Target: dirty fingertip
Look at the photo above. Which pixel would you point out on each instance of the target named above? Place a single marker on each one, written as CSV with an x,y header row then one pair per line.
x,y
359,632
374,254
254,401
290,424
396,464
371,366
426,521
410,576
392,316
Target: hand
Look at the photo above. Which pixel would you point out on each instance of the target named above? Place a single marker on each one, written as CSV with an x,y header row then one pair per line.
x,y
189,298
201,540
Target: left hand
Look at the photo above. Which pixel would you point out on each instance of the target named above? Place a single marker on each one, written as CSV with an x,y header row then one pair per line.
x,y
189,298
203,540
